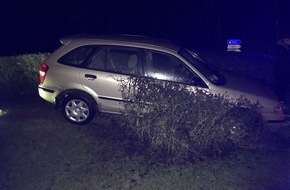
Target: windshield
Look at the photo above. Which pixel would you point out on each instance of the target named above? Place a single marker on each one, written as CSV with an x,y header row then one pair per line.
x,y
208,71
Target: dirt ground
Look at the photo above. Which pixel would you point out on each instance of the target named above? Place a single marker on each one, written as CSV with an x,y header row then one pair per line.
x,y
39,150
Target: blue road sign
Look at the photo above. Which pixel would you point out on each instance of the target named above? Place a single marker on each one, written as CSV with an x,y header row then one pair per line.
x,y
234,42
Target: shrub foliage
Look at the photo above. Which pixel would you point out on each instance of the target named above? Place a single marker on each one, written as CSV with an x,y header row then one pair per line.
x,y
177,122
19,74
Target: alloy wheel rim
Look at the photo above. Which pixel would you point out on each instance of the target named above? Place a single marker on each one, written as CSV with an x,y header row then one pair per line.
x,y
77,110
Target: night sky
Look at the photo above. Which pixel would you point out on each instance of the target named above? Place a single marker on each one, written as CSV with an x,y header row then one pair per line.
x,y
34,26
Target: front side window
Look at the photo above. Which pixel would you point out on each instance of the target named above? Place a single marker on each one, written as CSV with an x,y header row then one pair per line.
x,y
76,57
115,59
167,67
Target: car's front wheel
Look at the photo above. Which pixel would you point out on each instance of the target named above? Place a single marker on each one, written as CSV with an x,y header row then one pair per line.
x,y
78,110
245,123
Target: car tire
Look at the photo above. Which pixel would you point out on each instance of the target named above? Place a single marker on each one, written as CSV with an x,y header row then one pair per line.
x,y
78,110
246,121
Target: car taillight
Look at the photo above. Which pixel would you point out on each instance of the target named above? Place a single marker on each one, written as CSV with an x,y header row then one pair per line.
x,y
42,72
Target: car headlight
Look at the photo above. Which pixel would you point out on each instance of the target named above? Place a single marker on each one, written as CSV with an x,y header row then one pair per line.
x,y
279,108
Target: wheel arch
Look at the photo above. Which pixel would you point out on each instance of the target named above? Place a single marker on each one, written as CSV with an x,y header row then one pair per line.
x,y
73,92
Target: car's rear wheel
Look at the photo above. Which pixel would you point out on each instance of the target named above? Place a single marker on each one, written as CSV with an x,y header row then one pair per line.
x,y
78,110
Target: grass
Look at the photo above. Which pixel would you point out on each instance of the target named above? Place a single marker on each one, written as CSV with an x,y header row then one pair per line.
x,y
39,150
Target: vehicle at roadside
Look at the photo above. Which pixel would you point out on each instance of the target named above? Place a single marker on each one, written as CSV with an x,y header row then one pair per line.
x,y
79,76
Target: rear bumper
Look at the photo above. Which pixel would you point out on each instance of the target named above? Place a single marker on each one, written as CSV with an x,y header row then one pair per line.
x,y
47,94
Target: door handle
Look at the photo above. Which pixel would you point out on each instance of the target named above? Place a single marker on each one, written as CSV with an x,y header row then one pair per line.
x,y
90,77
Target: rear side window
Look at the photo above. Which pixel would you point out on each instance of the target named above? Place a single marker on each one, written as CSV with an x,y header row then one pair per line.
x,y
77,56
116,59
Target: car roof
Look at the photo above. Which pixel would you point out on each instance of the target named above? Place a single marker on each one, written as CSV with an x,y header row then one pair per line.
x,y
123,38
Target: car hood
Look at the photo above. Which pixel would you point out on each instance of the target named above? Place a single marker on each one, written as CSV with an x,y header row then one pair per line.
x,y
236,86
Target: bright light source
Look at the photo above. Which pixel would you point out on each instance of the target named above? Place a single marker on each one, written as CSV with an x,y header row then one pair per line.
x,y
2,112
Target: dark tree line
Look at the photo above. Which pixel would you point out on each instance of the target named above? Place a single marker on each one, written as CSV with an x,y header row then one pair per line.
x,y
202,25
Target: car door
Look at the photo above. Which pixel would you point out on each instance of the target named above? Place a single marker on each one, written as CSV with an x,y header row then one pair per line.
x,y
103,73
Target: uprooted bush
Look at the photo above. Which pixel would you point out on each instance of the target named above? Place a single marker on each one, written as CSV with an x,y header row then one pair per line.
x,y
177,123
19,74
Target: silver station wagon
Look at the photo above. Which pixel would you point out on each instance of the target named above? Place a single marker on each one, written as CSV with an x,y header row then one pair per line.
x,y
78,76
